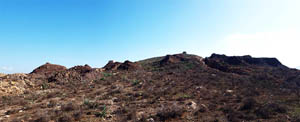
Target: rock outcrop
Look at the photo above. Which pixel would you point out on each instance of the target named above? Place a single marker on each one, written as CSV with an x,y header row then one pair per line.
x,y
81,69
111,65
128,65
76,73
14,84
244,60
183,58
170,59
240,64
48,68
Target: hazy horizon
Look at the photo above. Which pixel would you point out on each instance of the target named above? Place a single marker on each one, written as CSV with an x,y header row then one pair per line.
x,y
77,32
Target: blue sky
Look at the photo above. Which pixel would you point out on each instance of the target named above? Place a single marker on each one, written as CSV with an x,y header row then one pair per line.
x,y
78,32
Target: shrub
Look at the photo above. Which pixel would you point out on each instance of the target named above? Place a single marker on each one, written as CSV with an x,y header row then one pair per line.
x,y
45,86
107,74
77,115
102,114
248,104
135,82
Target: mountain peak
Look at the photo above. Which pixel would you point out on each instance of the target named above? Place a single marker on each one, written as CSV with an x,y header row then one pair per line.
x,y
48,68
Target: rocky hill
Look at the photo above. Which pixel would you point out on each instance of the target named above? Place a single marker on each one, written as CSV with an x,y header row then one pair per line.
x,y
172,88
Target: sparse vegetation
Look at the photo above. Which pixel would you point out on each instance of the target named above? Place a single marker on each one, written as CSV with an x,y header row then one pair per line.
x,y
103,113
135,82
177,88
295,112
45,86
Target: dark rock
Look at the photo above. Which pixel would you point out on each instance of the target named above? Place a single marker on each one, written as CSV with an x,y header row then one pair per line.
x,y
48,69
65,118
128,65
245,60
240,64
111,65
81,69
170,59
248,104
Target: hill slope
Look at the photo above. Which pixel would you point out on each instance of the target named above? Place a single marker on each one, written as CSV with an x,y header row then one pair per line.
x,y
178,88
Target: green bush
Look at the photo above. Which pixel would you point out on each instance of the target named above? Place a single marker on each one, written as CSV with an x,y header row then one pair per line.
x,y
135,82
103,113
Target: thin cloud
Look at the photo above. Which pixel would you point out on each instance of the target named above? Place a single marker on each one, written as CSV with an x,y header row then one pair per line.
x,y
6,69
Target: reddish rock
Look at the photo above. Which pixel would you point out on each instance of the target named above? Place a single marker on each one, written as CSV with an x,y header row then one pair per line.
x,y
81,69
171,59
128,65
48,69
111,65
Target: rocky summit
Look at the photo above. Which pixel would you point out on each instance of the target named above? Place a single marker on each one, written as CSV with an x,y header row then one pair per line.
x,y
47,69
173,88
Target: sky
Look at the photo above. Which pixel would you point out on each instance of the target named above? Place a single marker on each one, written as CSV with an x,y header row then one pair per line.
x,y
78,32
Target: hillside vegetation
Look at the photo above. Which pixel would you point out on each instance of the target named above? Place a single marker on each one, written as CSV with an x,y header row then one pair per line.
x,y
172,88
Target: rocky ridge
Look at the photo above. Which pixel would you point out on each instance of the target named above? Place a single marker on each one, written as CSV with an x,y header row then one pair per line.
x,y
180,87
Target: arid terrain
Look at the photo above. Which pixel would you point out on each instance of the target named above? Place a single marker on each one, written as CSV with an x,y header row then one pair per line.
x,y
172,88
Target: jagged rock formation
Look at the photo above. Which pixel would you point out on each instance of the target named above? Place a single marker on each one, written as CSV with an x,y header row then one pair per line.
x,y
81,69
127,65
77,73
111,65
